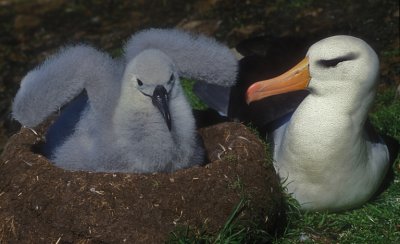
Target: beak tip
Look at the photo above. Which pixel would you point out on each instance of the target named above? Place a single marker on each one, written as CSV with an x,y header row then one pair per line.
x,y
250,93
248,100
169,125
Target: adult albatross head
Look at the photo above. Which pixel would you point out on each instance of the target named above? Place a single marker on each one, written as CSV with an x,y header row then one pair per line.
x,y
338,65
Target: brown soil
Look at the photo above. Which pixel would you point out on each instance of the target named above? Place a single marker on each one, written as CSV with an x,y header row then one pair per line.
x,y
42,203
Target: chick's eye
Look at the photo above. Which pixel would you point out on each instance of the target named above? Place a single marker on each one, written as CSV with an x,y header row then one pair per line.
x,y
139,82
171,79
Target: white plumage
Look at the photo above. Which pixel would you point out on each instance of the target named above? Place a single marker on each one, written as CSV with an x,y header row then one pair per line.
x,y
137,118
323,153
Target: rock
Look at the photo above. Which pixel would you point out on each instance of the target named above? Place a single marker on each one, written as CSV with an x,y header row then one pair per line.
x,y
205,6
42,203
206,27
245,31
25,22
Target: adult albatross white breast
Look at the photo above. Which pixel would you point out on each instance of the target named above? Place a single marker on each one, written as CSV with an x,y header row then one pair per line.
x,y
323,152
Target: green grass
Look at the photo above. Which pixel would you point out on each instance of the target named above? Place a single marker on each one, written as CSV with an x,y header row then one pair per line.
x,y
194,101
375,222
378,221
385,114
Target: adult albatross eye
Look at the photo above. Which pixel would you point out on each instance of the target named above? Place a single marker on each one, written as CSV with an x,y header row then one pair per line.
x,y
139,82
328,63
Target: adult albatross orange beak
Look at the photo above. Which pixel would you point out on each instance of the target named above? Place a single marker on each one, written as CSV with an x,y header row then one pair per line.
x,y
324,154
297,78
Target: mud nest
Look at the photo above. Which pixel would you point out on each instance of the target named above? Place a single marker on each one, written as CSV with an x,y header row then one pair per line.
x,y
40,202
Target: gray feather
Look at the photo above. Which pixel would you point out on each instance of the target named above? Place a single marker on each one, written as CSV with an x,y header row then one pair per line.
x,y
62,77
196,56
120,128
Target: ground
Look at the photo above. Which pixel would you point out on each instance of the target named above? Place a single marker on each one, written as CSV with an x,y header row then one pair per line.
x,y
43,203
32,30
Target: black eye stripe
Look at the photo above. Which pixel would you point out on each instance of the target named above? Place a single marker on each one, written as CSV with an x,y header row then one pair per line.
x,y
140,83
336,61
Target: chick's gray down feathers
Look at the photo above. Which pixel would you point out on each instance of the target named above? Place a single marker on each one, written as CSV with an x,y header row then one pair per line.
x,y
123,124
63,76
196,56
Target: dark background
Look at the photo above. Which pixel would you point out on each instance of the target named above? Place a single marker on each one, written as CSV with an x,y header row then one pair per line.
x,y
31,30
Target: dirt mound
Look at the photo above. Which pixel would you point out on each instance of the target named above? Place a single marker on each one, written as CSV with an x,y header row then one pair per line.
x,y
42,203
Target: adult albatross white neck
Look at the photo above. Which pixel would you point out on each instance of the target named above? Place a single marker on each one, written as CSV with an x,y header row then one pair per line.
x,y
323,153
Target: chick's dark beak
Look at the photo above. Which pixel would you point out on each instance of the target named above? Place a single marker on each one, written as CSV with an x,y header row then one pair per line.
x,y
160,100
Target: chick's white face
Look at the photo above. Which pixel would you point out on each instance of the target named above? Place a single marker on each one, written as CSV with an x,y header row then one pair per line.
x,y
148,86
342,62
149,69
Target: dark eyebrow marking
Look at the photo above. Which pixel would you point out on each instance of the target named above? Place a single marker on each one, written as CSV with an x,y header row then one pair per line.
x,y
336,61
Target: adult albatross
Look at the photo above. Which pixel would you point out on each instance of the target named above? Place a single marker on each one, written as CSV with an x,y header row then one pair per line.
x,y
324,152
